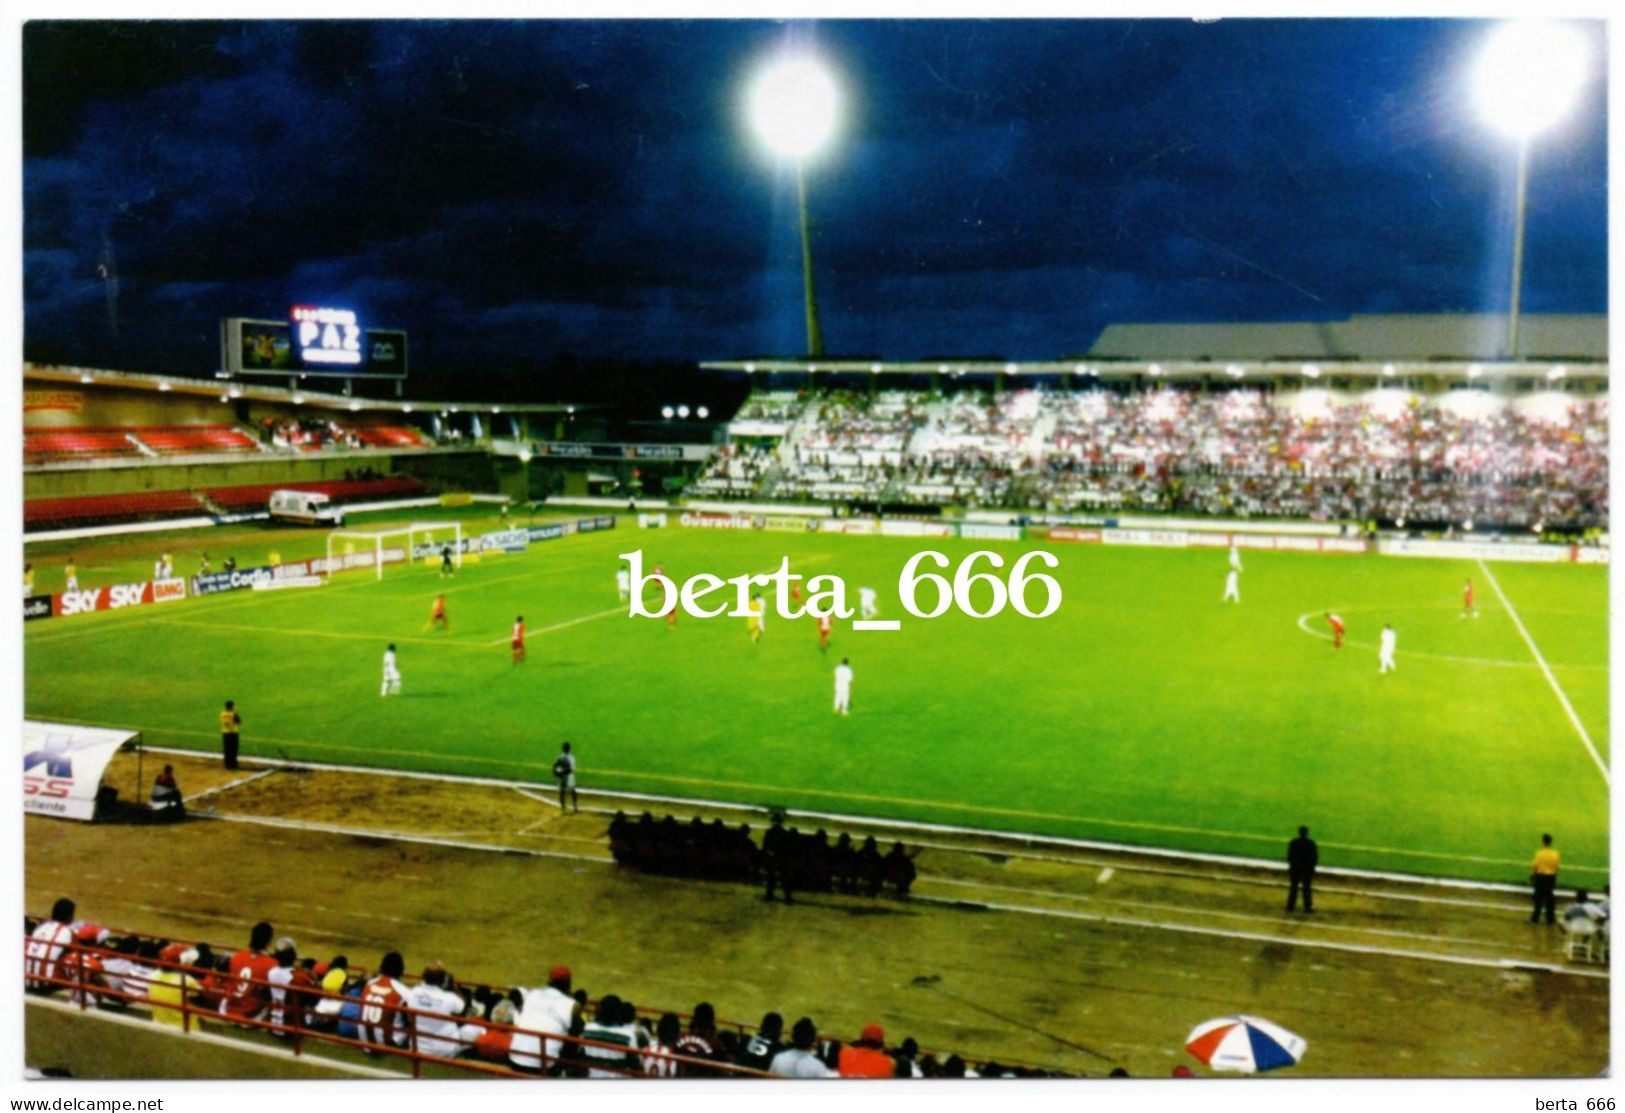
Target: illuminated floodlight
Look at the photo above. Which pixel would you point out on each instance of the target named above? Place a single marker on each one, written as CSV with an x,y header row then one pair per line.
x,y
1388,370
667,412
702,413
874,368
225,398
1474,370
1155,370
355,407
1399,523
407,408
1540,527
1234,370
298,399
682,411
1079,369
163,386
1557,373
795,106
524,456
1528,76
1009,369
750,369
942,368
1467,525
87,378
1310,371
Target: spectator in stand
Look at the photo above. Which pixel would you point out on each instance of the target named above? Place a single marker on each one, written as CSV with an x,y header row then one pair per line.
x,y
699,1042
382,1022
249,994
46,945
324,1014
173,984
493,1043
760,1050
612,1025
867,1058
907,1059
549,1011
285,1003
801,1060
667,1032
436,1008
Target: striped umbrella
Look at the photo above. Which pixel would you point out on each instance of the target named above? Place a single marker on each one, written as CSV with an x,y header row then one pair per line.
x,y
1244,1043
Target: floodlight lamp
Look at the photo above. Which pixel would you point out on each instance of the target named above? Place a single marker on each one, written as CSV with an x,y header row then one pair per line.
x,y
682,411
794,106
703,412
1529,75
667,412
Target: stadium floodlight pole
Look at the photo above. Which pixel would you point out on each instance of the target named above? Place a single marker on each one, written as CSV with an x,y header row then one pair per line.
x,y
1527,77
794,107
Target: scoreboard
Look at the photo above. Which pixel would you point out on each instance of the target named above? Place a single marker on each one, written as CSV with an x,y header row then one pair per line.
x,y
314,340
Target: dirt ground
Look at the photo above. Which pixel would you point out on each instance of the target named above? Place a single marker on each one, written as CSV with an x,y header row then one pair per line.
x,y
1078,960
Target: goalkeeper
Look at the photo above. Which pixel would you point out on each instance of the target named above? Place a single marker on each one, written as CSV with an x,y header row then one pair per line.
x,y
564,771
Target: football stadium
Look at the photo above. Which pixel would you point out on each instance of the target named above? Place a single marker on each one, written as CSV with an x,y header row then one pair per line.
x,y
1231,695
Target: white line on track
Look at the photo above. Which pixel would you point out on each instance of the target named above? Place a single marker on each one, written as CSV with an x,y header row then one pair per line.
x,y
1284,940
1557,689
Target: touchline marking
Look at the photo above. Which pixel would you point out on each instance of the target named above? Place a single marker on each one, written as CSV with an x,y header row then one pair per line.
x,y
877,624
1557,689
1286,940
1028,839
1193,855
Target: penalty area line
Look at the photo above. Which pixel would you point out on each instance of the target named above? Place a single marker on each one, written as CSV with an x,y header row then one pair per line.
x,y
1557,689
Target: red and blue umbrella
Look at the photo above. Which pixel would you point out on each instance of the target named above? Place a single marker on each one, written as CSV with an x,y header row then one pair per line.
x,y
1244,1043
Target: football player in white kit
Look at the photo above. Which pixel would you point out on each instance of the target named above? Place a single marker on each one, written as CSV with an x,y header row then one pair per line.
x,y
1232,587
1385,651
392,675
843,687
868,607
623,583
1235,557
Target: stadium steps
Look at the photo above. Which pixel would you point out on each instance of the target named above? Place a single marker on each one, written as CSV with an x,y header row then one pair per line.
x,y
140,446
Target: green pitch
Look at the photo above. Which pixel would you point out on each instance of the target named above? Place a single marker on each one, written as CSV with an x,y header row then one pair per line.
x,y
1144,711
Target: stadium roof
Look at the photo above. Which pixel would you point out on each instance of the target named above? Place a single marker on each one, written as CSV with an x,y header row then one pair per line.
x,y
232,389
1430,337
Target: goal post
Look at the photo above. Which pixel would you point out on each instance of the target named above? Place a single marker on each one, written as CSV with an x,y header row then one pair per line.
x,y
344,543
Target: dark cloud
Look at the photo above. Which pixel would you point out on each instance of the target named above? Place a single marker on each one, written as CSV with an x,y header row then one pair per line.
x,y
510,191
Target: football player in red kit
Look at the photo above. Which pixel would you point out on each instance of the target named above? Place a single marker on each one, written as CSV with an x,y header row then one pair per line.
x,y
823,632
1336,623
519,639
1467,607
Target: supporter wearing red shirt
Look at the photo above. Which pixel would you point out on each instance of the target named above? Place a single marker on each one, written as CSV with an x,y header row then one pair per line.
x,y
381,1001
867,1058
248,994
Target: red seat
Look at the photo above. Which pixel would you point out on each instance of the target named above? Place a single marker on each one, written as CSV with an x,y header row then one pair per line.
x,y
63,512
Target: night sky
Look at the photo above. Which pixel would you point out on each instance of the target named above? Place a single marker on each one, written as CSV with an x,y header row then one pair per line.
x,y
521,194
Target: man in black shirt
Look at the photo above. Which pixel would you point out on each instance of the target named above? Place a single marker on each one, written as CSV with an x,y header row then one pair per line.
x,y
775,859
758,1052
1302,857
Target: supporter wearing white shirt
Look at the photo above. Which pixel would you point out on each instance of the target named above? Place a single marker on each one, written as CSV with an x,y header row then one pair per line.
x,y
548,1011
46,944
437,1009
798,1060
279,978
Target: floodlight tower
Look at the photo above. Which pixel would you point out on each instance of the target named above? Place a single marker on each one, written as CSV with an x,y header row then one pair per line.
x,y
794,107
1526,80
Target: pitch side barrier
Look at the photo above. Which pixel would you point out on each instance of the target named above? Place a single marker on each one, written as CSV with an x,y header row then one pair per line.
x,y
77,968
1110,532
290,573
79,960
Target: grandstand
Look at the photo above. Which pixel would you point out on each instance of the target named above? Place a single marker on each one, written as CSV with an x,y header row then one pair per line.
x,y
1366,422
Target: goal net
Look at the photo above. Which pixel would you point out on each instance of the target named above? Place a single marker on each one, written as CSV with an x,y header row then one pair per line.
x,y
375,548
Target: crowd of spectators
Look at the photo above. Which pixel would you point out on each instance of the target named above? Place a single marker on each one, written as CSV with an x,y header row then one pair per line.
x,y
1459,457
555,1029
797,862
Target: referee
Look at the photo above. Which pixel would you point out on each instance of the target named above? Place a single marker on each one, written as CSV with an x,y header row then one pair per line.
x,y
231,724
